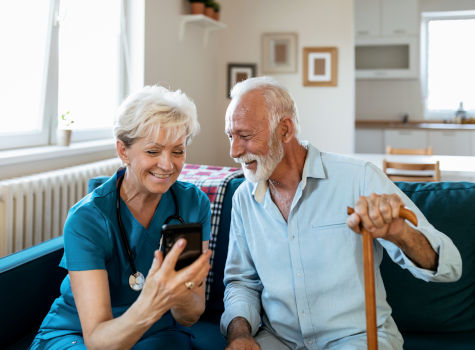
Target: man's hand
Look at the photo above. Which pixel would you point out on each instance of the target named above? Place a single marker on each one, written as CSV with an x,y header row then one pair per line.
x,y
239,336
379,215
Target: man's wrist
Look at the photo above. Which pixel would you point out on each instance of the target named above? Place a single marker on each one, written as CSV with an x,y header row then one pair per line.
x,y
239,327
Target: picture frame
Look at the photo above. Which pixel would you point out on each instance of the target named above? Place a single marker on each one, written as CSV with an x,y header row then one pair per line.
x,y
238,72
279,53
320,66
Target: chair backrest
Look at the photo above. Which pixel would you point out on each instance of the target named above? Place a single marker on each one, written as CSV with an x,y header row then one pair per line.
x,y
420,151
398,171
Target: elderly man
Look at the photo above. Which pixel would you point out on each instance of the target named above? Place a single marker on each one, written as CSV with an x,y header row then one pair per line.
x,y
294,272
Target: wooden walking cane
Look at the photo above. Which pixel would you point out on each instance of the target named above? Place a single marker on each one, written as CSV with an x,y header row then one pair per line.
x,y
368,264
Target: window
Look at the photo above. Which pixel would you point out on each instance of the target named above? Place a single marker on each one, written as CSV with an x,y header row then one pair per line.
x,y
448,69
66,59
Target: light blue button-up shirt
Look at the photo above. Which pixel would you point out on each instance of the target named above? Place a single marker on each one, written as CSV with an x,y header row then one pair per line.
x,y
303,280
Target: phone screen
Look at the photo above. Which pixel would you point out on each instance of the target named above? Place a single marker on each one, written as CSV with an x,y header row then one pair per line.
x,y
193,235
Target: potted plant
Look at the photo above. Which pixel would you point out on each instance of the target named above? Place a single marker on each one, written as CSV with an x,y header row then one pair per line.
x,y
63,134
217,8
209,9
197,7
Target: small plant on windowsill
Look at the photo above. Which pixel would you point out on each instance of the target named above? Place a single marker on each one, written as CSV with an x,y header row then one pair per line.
x,y
63,135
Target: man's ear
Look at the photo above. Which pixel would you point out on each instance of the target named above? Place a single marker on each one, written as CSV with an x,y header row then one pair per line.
x,y
122,151
286,129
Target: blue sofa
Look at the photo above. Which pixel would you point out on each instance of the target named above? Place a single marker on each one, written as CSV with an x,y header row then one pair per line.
x,y
430,315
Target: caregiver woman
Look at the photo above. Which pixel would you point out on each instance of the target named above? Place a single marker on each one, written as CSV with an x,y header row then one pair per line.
x,y
98,309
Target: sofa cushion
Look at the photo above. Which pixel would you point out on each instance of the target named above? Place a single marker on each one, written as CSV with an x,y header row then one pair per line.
x,y
215,302
419,306
439,341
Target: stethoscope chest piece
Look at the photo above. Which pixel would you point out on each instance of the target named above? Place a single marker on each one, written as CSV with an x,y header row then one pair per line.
x,y
136,281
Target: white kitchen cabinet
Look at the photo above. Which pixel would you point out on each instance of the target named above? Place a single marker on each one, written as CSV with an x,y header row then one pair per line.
x,y
369,140
386,58
386,18
386,39
451,142
405,138
399,17
367,17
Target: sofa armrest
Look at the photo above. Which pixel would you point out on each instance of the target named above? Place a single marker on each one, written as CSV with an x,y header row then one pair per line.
x,y
29,281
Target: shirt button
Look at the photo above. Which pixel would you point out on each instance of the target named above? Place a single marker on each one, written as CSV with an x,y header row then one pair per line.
x,y
299,274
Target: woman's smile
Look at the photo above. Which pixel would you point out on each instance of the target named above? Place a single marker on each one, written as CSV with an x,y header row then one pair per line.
x,y
161,176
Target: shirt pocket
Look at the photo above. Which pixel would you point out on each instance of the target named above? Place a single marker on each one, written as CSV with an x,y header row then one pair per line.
x,y
330,224
337,249
334,238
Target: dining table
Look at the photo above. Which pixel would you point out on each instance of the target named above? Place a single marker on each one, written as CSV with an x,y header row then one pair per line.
x,y
452,168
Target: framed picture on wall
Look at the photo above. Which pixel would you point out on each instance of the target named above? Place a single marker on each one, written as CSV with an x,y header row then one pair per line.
x,y
279,52
320,66
238,72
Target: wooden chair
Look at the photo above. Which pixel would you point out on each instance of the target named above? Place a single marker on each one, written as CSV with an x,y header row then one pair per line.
x,y
397,171
417,151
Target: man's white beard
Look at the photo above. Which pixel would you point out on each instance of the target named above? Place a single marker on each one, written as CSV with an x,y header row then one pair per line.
x,y
266,164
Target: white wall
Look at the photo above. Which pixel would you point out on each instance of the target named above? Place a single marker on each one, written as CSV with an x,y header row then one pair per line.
x,y
391,99
185,65
326,113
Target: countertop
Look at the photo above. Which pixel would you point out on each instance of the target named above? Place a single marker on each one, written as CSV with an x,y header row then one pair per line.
x,y
415,125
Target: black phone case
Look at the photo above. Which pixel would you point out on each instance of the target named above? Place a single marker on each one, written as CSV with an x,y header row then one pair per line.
x,y
193,235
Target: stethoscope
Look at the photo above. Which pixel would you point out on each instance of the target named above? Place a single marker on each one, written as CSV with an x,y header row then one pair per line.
x,y
137,279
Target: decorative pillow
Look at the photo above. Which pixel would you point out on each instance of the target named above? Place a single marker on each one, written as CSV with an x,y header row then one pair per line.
x,y
419,306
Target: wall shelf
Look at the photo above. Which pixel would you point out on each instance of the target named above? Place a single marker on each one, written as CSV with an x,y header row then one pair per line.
x,y
203,21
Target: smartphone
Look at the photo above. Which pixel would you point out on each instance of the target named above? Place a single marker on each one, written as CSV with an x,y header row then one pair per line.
x,y
193,235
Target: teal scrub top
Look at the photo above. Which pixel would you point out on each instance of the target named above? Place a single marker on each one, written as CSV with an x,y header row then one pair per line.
x,y
92,241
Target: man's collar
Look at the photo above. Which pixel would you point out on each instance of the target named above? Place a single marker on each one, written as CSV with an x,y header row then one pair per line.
x,y
313,167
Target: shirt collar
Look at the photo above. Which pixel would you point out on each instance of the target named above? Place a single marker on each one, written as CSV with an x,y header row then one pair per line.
x,y
313,167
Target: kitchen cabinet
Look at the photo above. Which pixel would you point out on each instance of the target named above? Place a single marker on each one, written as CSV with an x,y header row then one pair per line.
x,y
369,141
386,58
386,39
399,17
454,141
404,138
367,17
451,142
386,18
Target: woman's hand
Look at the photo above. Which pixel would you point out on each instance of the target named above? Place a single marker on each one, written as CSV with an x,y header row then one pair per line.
x,y
166,289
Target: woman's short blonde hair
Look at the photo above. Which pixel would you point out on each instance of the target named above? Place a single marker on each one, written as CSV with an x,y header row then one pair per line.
x,y
154,109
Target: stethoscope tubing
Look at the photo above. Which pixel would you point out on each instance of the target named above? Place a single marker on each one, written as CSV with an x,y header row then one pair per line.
x,y
125,241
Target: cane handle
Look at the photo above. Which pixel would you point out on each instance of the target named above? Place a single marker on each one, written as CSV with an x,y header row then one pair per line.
x,y
403,213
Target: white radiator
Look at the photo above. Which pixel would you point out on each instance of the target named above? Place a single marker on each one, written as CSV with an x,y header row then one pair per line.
x,y
33,208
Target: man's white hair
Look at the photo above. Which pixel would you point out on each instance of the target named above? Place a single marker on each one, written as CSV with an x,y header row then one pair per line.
x,y
278,100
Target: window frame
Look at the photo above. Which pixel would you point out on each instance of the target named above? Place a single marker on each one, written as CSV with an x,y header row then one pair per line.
x,y
426,17
46,136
